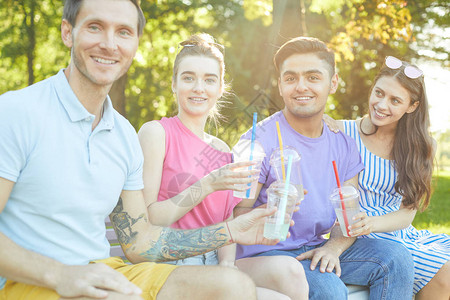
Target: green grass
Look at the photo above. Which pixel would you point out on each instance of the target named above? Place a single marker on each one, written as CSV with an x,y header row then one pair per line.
x,y
436,217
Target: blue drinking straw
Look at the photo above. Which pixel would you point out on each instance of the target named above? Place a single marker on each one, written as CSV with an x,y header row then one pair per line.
x,y
252,145
283,201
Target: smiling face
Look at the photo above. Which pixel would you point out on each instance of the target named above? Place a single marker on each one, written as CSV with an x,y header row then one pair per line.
x,y
389,101
305,84
103,41
197,85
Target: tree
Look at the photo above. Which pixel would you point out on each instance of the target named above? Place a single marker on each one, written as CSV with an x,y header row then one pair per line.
x,y
30,43
362,32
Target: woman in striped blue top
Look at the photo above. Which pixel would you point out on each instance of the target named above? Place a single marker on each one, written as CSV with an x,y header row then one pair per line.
x,y
397,151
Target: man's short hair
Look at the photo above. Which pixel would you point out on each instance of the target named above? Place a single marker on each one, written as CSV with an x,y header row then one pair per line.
x,y
304,45
72,8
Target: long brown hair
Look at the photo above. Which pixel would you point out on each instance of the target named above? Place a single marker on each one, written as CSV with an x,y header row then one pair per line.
x,y
204,44
412,150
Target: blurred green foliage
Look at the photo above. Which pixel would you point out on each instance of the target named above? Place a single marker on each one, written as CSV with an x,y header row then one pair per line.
x,y
362,32
436,218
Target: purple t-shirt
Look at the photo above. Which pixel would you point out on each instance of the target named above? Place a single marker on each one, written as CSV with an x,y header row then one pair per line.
x,y
316,215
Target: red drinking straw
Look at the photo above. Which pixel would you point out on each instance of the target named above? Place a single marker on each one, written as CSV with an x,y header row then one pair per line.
x,y
344,213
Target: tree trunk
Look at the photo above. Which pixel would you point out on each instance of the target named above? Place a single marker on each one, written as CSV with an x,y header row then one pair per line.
x,y
288,22
31,31
303,18
293,23
117,94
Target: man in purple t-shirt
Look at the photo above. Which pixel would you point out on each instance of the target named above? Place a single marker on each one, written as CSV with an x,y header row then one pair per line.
x,y
306,69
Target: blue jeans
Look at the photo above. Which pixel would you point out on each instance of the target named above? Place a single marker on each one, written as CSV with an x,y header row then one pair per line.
x,y
386,267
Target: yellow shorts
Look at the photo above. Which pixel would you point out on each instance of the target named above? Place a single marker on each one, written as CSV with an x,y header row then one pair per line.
x,y
149,276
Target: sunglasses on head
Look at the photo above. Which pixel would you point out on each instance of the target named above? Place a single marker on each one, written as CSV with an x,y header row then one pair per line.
x,y
410,71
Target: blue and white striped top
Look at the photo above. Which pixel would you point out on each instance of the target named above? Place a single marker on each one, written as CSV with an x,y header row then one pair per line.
x,y
378,197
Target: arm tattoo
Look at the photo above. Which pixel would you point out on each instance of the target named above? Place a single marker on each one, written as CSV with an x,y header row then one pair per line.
x,y
172,244
123,223
176,244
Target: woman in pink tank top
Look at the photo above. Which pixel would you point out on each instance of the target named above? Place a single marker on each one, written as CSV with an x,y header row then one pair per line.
x,y
188,174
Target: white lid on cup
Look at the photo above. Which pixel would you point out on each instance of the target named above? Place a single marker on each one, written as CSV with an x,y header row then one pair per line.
x,y
275,157
242,150
348,191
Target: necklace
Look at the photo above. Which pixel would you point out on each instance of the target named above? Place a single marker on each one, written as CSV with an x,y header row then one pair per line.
x,y
361,127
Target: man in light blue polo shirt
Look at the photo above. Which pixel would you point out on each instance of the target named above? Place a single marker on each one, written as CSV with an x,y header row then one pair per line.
x,y
68,160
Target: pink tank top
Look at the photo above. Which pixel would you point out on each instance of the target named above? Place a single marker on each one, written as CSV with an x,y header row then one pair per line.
x,y
187,159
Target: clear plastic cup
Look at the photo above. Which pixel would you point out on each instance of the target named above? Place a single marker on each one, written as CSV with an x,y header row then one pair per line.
x,y
276,164
350,202
242,152
277,225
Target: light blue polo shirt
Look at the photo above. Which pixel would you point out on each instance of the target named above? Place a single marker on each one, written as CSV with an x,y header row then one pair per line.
x,y
67,177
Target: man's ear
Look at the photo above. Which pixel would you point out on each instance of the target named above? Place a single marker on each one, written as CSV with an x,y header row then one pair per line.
x,y
334,83
66,33
279,86
412,107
